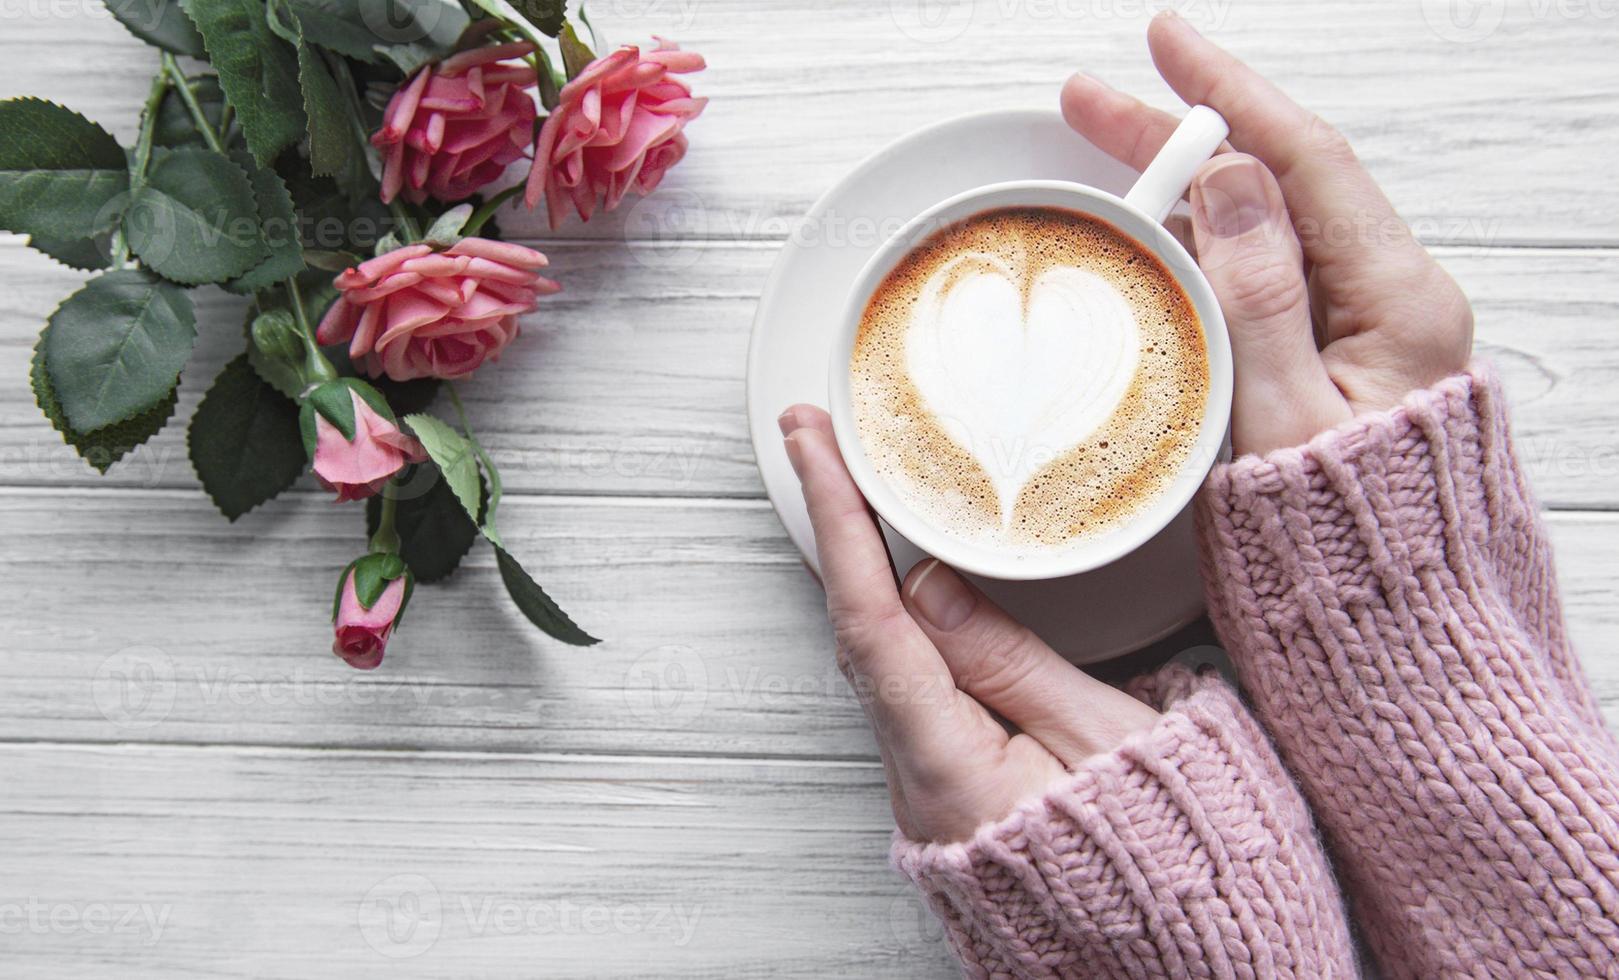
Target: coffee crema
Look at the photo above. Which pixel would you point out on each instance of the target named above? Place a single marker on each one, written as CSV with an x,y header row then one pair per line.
x,y
1027,377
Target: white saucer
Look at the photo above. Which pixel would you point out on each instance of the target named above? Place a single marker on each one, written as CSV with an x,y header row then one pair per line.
x,y
1143,597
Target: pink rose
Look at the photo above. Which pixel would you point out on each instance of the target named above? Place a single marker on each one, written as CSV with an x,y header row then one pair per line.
x,y
360,629
417,313
617,127
356,467
457,125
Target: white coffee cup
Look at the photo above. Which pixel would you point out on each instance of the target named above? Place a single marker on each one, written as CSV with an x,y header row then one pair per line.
x,y
1139,214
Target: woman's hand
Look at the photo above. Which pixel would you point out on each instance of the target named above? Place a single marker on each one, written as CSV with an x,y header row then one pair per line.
x,y
930,661
1334,308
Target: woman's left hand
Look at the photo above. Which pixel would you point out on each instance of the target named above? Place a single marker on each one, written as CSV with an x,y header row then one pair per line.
x,y
931,660
1334,307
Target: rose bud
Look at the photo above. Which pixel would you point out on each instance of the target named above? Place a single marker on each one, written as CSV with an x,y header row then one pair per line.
x,y
350,433
370,601
456,125
419,313
616,128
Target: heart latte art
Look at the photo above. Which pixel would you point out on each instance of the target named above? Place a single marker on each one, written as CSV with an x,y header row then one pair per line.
x,y
1028,377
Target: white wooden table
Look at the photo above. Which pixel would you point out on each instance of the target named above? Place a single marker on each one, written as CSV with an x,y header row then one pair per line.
x,y
190,784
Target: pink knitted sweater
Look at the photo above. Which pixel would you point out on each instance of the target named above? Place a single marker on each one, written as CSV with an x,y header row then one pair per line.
x,y
1387,596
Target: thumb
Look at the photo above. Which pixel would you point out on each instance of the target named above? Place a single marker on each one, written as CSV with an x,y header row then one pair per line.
x,y
1004,666
1247,249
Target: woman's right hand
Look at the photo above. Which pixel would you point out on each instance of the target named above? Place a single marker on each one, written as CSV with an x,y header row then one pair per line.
x,y
1333,307
935,662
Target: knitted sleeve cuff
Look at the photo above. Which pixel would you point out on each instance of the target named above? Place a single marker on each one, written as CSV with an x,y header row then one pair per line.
x,y
1185,852
1383,496
1403,515
1387,595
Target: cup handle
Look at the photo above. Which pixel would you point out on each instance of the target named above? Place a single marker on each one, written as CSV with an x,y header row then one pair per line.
x,y
1166,178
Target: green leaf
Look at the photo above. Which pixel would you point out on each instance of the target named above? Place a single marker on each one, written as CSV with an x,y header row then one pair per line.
x,y
276,372
107,445
77,253
389,242
454,456
407,397
280,23
404,397
576,54
547,15
372,574
445,230
331,145
536,605
161,23
61,175
330,261
434,530
244,441
371,396
408,33
115,348
278,228
337,214
411,33
195,219
340,25
332,402
173,126
546,11
258,71
493,506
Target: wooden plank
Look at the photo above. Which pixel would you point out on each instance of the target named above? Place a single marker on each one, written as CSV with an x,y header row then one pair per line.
x,y
631,381
164,623
1476,140
299,864
134,615
141,616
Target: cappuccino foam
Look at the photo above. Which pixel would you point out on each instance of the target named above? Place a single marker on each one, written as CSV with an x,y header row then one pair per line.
x,y
1028,377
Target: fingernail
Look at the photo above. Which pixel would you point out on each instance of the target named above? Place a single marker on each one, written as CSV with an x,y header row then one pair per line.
x,y
793,450
942,597
788,421
1231,197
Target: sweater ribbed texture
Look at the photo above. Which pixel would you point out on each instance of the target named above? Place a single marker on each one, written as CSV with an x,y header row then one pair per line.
x,y
1187,852
1387,596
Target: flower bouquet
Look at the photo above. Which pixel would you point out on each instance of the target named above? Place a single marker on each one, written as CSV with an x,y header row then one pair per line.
x,y
336,163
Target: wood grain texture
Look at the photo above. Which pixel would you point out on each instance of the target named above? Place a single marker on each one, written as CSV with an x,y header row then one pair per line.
x,y
152,621
631,381
1456,128
192,784
163,862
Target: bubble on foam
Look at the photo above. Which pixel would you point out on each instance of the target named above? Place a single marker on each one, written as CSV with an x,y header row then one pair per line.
x,y
1082,490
